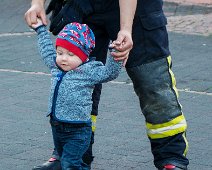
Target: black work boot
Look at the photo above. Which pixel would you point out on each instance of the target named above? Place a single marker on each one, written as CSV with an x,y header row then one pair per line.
x,y
51,164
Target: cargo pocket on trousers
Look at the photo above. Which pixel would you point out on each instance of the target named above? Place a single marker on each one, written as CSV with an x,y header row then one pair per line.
x,y
154,35
154,20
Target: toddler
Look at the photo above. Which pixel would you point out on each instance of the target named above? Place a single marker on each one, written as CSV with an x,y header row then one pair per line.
x,y
74,75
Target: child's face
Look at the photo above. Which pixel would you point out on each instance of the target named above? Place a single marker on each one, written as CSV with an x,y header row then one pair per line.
x,y
66,60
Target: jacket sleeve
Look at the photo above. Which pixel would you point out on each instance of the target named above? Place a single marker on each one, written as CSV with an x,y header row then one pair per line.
x,y
46,47
109,71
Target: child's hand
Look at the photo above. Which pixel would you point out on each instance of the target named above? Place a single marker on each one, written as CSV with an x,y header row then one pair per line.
x,y
113,48
39,23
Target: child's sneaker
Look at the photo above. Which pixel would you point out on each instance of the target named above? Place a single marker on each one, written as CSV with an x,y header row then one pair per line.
x,y
51,164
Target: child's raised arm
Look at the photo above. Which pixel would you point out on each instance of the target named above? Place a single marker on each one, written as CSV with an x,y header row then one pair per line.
x,y
45,45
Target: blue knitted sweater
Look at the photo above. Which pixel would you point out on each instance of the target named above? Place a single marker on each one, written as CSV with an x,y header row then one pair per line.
x,y
71,92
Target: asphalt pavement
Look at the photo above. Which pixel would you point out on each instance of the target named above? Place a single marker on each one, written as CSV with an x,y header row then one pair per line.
x,y
120,141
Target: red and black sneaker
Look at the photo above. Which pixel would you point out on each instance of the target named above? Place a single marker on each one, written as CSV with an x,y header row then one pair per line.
x,y
172,167
51,164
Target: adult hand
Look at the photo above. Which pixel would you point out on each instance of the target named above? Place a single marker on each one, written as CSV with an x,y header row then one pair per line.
x,y
123,44
39,23
36,11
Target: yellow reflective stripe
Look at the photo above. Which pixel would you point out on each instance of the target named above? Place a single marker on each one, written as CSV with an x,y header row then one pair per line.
x,y
176,91
172,76
167,133
93,120
167,124
168,128
186,142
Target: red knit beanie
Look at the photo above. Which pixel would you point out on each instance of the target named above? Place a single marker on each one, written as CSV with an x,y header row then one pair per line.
x,y
77,38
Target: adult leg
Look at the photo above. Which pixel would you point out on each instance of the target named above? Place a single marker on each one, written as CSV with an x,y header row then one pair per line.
x,y
149,67
104,31
154,84
100,52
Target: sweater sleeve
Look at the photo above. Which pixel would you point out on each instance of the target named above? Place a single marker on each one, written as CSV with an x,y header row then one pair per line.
x,y
46,47
109,71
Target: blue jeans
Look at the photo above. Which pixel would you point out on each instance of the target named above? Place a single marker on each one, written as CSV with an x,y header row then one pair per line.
x,y
71,142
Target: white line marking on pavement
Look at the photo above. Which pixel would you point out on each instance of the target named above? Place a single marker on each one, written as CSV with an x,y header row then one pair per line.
x,y
195,92
113,82
24,72
16,34
121,82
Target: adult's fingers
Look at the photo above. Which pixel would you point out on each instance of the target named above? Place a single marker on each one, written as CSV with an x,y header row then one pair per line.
x,y
119,54
31,17
43,18
122,51
124,62
123,41
33,13
119,40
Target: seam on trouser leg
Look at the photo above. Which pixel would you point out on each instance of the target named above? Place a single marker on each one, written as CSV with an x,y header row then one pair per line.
x,y
172,78
169,60
177,95
186,142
